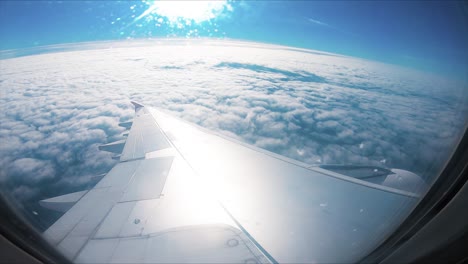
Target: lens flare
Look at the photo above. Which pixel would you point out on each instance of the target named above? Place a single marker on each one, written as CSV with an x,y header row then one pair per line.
x,y
186,11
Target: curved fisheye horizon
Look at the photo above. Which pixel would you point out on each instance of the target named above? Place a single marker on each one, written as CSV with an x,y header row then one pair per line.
x,y
114,43
434,42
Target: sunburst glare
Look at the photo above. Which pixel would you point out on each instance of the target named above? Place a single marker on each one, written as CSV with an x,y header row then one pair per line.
x,y
186,11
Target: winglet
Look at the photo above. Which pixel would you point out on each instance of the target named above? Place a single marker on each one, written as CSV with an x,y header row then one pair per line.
x,y
137,105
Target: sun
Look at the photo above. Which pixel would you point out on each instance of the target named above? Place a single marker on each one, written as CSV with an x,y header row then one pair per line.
x,y
189,11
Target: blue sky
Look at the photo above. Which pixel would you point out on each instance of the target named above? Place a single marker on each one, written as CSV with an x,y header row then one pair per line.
x,y
427,35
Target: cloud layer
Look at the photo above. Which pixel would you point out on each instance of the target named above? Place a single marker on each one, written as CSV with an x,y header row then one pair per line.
x,y
315,107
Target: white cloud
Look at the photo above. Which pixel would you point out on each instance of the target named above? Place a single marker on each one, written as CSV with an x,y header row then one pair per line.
x,y
33,170
312,106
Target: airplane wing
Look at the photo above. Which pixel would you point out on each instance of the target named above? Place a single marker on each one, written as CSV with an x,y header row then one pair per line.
x,y
183,194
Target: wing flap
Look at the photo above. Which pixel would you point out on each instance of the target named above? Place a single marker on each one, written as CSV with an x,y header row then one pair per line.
x,y
144,137
148,180
115,220
62,203
194,244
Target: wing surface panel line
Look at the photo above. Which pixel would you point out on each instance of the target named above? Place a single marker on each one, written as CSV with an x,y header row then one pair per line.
x,y
71,230
298,163
250,237
102,220
92,234
164,133
259,247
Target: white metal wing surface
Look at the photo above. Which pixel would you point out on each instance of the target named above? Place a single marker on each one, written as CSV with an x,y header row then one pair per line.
x,y
182,194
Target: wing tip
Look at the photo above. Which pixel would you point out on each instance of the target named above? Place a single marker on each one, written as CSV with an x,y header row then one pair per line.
x,y
137,105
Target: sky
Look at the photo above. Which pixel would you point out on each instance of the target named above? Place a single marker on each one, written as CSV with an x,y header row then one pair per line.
x,y
426,35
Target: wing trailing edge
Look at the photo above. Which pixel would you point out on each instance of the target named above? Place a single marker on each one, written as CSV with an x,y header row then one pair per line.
x,y
62,203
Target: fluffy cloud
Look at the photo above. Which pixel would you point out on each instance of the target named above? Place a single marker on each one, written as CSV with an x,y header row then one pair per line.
x,y
311,106
33,169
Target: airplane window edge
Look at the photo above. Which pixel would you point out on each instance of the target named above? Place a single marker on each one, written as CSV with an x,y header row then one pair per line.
x,y
450,182
17,230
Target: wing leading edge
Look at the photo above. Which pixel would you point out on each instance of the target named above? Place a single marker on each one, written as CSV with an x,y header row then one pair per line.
x,y
183,194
